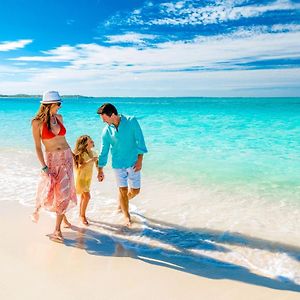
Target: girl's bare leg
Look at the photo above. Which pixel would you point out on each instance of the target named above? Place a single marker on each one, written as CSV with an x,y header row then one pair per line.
x,y
85,198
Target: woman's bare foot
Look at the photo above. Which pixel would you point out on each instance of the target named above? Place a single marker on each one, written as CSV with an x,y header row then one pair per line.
x,y
84,221
56,236
67,224
35,217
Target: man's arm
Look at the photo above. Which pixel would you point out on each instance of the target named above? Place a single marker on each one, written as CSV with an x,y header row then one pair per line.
x,y
141,146
138,165
103,156
139,137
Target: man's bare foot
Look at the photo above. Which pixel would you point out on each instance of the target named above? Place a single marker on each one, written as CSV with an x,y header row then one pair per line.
x,y
128,222
56,236
84,221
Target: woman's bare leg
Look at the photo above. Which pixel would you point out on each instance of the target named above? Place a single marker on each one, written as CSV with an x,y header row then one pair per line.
x,y
35,214
67,224
57,232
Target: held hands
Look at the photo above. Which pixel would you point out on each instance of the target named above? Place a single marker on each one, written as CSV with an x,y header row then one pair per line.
x,y
100,175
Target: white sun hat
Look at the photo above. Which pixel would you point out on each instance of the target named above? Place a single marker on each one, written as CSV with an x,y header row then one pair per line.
x,y
50,97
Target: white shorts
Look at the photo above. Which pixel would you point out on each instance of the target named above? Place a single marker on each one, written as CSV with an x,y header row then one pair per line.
x,y
127,175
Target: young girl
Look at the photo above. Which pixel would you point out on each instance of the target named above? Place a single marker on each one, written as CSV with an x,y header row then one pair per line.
x,y
84,159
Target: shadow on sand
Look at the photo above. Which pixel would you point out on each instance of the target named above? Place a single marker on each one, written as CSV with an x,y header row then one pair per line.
x,y
116,241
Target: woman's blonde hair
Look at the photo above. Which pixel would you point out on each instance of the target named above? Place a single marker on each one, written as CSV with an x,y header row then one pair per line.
x,y
43,114
80,149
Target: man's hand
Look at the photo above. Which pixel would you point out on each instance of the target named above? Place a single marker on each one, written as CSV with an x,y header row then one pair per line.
x,y
100,175
138,165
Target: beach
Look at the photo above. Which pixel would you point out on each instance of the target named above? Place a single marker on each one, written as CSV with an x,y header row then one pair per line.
x,y
217,216
202,97
34,267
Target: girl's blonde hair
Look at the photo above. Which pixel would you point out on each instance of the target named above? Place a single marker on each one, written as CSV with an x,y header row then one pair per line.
x,y
43,114
80,149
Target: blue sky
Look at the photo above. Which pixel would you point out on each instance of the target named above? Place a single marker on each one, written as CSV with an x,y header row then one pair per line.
x,y
150,48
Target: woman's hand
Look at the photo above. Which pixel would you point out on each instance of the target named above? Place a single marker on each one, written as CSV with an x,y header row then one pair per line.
x,y
46,171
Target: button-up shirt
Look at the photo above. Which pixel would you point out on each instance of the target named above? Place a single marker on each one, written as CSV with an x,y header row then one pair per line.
x,y
125,142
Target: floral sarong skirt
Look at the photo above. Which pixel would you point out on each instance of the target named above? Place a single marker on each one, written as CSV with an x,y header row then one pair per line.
x,y
56,191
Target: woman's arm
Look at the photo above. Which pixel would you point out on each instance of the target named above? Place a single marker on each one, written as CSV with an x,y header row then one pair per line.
x,y
38,143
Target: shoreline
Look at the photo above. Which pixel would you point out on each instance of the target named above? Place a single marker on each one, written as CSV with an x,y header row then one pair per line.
x,y
82,268
203,227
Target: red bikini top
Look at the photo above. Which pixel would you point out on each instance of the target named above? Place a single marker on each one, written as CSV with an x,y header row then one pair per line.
x,y
48,134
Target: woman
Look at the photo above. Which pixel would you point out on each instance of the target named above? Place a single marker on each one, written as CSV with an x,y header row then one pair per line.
x,y
56,190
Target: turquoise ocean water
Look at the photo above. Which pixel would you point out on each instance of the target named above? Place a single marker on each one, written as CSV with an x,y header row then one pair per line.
x,y
222,164
241,143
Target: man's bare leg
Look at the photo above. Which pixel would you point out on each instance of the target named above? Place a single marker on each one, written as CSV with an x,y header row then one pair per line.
x,y
123,199
131,194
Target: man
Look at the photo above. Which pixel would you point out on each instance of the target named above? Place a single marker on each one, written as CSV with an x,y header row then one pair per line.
x,y
124,137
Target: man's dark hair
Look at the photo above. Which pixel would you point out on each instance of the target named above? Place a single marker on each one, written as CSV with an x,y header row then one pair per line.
x,y
107,109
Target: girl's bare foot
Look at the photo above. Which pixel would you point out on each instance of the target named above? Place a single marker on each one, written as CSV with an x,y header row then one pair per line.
x,y
84,220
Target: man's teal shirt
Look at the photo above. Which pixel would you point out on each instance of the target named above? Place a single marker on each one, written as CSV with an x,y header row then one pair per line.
x,y
125,143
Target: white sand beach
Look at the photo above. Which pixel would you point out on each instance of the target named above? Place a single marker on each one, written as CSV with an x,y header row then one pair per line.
x,y
33,267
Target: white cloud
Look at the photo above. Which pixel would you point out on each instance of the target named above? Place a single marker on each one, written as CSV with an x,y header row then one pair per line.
x,y
70,22
193,12
205,52
130,37
245,83
12,45
136,11
285,27
63,53
101,70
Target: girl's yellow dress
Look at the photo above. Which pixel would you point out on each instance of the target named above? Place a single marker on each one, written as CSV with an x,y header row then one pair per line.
x,y
84,174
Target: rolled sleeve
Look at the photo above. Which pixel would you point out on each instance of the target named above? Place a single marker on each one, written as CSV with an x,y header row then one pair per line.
x,y
139,137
